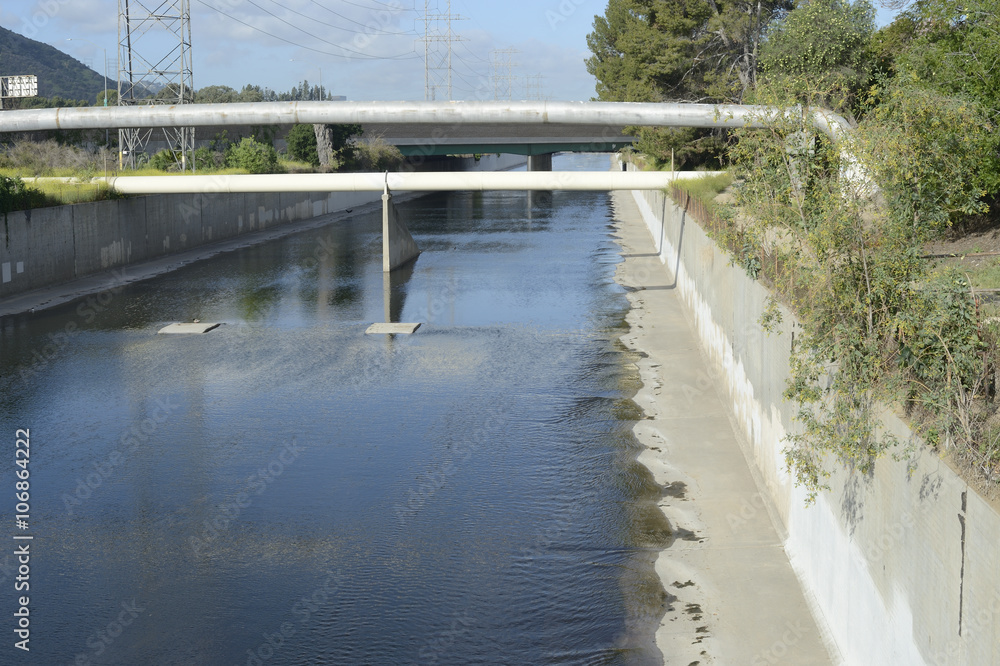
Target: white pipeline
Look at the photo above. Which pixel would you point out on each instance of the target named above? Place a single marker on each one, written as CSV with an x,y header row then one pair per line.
x,y
440,114
440,181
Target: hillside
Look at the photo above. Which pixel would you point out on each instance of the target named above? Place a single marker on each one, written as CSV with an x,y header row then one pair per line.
x,y
58,73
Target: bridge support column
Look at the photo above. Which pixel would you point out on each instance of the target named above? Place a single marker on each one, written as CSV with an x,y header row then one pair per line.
x,y
398,246
540,162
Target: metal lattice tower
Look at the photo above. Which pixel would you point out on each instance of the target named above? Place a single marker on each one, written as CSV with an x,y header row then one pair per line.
x,y
502,68
533,87
155,67
437,61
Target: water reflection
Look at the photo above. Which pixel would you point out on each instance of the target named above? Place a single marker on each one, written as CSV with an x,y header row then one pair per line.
x,y
394,290
460,494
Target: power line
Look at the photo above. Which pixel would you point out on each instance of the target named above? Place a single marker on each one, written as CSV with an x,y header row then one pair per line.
x,y
501,71
394,8
337,27
443,63
304,31
346,18
362,56
533,87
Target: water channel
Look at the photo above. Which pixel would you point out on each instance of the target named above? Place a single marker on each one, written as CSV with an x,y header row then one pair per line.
x,y
289,490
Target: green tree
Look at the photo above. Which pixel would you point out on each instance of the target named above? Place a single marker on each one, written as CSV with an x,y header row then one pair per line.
x,y
847,225
679,50
252,93
216,94
335,145
301,141
252,156
108,97
821,52
956,52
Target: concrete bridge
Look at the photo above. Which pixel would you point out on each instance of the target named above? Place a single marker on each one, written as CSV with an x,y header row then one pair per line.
x,y
531,140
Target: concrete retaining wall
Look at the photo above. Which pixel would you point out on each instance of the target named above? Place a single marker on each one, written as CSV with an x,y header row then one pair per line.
x,y
49,246
903,565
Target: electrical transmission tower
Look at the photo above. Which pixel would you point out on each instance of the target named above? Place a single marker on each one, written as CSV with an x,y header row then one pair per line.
x,y
501,68
155,67
437,60
533,87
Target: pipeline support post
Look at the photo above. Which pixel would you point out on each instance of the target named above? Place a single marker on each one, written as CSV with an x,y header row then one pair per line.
x,y
541,162
398,246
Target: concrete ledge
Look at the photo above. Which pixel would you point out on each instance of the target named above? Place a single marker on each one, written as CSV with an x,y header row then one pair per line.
x,y
387,328
187,328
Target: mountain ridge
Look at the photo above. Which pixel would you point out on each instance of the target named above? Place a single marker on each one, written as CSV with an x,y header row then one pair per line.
x,y
59,74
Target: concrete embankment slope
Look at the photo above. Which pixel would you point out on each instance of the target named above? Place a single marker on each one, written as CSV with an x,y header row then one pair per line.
x,y
902,565
733,597
51,255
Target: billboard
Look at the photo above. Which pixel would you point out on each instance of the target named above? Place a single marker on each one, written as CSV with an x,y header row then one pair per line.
x,y
18,86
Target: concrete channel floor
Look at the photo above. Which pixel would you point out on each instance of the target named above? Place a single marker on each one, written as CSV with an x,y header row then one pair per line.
x,y
733,597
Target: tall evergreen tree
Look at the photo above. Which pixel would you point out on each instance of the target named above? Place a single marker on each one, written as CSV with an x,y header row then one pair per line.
x,y
679,51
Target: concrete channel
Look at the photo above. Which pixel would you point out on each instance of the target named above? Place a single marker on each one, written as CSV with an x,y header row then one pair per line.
x,y
733,597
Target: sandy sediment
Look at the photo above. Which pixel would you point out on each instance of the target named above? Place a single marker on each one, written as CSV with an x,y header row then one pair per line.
x,y
733,597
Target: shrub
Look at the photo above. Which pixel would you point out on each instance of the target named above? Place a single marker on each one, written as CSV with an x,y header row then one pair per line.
x,y
165,160
45,158
16,195
252,156
377,155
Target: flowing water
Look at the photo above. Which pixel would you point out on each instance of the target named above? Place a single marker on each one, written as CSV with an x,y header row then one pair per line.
x,y
289,490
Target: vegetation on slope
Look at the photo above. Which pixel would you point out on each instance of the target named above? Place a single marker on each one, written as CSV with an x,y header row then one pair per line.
x,y
841,232
59,75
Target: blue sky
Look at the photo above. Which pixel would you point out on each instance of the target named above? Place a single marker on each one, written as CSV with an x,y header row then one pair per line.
x,y
364,49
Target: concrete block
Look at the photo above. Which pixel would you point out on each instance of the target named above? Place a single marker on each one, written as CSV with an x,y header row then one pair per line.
x,y
263,210
187,328
391,328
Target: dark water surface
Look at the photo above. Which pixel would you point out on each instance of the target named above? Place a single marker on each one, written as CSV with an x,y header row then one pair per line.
x,y
289,490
